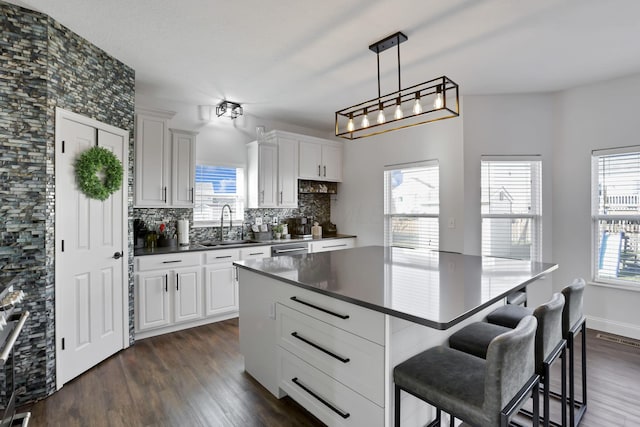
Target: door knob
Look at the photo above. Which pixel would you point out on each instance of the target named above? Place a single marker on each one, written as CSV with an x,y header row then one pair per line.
x,y
117,255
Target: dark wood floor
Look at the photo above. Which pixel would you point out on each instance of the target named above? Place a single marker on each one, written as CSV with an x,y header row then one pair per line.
x,y
196,378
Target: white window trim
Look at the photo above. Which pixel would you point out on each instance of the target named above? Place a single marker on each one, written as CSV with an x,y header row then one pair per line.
x,y
536,234
388,217
217,223
595,217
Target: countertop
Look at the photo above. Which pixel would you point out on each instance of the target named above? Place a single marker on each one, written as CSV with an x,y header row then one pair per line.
x,y
435,289
198,247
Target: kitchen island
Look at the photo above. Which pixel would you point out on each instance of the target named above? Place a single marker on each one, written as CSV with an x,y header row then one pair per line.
x,y
328,328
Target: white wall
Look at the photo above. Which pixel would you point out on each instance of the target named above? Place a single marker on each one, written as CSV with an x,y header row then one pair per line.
x,y
359,206
508,125
592,117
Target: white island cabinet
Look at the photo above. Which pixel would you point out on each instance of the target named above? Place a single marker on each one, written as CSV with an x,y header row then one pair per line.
x,y
328,332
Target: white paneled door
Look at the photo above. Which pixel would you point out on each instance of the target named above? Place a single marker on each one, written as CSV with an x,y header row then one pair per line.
x,y
91,252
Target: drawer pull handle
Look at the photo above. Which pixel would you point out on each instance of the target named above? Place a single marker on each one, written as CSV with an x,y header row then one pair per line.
x,y
225,256
324,310
316,346
343,414
171,262
257,253
335,246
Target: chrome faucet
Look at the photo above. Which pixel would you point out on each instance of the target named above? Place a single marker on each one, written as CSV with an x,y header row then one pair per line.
x,y
222,221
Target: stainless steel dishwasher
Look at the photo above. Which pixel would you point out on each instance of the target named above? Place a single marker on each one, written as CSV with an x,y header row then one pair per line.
x,y
290,249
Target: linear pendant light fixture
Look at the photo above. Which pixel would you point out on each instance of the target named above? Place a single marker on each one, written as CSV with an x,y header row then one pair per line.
x,y
435,99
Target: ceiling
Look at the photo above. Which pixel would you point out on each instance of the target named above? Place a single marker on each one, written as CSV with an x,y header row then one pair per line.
x,y
299,61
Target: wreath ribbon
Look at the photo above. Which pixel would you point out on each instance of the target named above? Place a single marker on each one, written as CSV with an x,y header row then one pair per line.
x,y
94,161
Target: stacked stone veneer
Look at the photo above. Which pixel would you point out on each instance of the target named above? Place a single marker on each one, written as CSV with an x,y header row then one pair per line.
x,y
44,65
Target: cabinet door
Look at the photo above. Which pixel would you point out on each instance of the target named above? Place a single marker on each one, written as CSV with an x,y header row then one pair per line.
x,y
331,163
287,173
221,289
310,159
267,175
183,168
152,300
188,295
152,162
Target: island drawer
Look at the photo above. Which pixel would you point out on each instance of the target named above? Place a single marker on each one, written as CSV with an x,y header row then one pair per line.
x,y
329,400
360,321
354,361
169,261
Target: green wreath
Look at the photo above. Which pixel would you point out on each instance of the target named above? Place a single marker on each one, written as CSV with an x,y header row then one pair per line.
x,y
98,160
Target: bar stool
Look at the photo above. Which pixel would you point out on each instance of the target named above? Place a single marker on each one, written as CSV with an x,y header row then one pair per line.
x,y
549,342
482,392
574,322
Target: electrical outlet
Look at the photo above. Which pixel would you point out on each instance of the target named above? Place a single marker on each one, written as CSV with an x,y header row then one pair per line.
x,y
259,221
452,223
274,220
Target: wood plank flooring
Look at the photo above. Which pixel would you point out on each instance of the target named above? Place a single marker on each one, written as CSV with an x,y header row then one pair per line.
x,y
196,378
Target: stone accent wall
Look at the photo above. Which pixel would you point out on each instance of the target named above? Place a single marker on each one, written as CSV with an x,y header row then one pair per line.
x,y
43,65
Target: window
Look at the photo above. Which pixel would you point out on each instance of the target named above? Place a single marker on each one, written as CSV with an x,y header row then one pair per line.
x,y
215,187
412,205
615,213
511,208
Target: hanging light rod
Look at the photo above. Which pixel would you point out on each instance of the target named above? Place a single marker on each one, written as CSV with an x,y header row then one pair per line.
x,y
435,99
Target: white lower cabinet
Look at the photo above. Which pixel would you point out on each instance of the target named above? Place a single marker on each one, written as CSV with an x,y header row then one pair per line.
x,y
152,300
221,289
324,396
220,284
331,357
187,295
160,290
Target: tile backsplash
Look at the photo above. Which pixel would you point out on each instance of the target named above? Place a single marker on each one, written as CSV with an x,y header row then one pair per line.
x,y
316,205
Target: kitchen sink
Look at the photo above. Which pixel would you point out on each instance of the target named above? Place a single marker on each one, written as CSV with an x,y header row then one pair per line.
x,y
213,243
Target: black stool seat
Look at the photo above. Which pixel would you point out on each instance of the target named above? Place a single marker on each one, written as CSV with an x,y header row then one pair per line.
x,y
508,315
475,338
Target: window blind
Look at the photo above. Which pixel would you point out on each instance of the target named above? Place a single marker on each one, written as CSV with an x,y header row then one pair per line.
x,y
511,208
616,216
215,187
412,206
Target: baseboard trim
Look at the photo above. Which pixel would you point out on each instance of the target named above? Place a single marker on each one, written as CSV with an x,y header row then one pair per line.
x,y
613,327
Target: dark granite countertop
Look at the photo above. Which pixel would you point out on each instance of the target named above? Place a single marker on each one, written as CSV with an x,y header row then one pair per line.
x,y
228,245
435,289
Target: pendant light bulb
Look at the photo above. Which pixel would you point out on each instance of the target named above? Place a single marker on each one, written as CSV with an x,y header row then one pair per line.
x,y
439,101
417,107
365,119
398,113
350,126
381,118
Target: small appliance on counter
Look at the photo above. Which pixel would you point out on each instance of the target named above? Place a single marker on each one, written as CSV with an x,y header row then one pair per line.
x,y
139,234
329,229
300,227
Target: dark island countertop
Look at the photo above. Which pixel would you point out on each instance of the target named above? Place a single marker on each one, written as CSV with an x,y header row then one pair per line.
x,y
435,289
230,245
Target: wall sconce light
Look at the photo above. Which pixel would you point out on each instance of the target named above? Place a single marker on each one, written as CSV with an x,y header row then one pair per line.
x,y
435,99
229,109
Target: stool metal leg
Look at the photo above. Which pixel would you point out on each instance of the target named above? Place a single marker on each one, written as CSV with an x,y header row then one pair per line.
x,y
572,391
397,406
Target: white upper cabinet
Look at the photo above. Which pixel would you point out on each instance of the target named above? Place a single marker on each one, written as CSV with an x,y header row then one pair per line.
x,y
183,167
320,160
152,150
272,165
287,172
165,162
